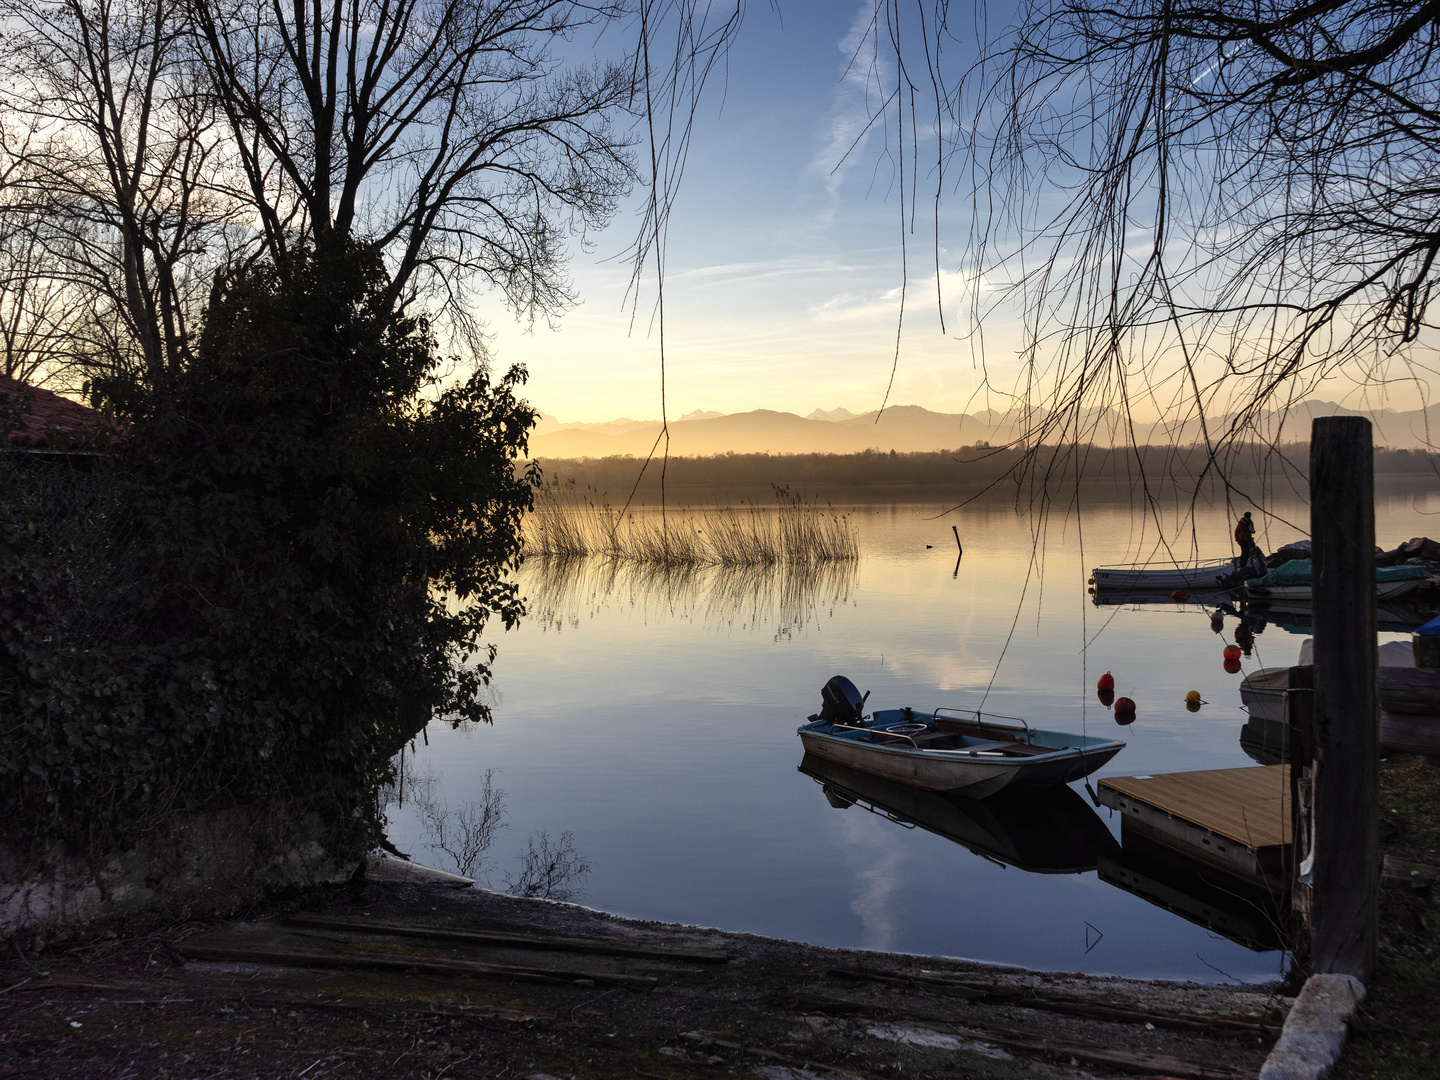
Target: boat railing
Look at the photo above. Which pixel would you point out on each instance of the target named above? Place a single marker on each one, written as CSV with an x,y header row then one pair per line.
x,y
877,731
981,721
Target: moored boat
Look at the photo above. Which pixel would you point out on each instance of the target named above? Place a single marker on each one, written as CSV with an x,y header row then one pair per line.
x,y
1292,581
963,752
1218,574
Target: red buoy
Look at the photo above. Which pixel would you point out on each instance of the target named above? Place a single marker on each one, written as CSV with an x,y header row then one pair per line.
x,y
1107,697
1124,718
1124,704
1232,666
1232,652
1179,596
1106,682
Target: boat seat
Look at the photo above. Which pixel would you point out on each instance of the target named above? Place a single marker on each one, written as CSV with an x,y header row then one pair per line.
x,y
1006,746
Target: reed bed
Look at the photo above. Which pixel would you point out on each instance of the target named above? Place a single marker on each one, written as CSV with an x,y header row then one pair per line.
x,y
785,596
791,532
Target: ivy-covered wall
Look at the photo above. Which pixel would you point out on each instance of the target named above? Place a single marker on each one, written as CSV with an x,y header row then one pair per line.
x,y
301,541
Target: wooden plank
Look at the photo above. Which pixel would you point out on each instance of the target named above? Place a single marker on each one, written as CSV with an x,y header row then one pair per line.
x,y
1249,806
419,965
1344,915
1409,733
505,939
1039,997
1409,690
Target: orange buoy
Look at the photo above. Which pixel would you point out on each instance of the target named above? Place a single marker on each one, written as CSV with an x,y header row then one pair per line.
x,y
1232,666
1105,682
1179,596
1232,652
1107,697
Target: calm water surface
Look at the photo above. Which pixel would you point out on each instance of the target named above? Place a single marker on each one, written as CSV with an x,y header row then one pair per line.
x,y
654,719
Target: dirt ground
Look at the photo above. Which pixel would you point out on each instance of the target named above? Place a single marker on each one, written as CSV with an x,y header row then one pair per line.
x,y
315,990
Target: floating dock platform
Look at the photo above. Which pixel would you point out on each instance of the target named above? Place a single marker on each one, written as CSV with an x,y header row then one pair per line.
x,y
1237,820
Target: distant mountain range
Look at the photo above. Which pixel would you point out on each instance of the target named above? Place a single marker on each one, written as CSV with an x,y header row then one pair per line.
x,y
910,428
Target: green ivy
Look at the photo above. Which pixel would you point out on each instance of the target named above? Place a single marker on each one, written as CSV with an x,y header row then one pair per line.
x,y
300,547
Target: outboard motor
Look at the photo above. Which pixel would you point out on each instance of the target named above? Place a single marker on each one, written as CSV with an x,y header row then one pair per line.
x,y
841,702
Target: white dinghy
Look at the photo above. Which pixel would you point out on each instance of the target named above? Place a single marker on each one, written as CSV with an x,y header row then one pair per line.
x,y
960,751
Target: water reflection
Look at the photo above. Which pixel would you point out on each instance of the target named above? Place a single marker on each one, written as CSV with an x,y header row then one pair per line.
x,y
458,836
1048,832
1292,616
1249,910
779,598
1056,832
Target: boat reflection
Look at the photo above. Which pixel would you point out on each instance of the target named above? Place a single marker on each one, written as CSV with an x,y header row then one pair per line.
x,y
1265,735
1046,832
1393,616
777,598
1057,832
1292,616
1247,909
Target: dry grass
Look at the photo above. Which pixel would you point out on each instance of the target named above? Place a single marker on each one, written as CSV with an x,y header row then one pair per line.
x,y
785,596
792,532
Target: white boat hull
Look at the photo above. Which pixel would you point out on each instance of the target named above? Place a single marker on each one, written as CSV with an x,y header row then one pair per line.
x,y
1206,576
959,772
1384,590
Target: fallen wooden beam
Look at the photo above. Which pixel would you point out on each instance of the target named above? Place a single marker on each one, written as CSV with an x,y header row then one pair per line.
x,y
1131,1061
1409,733
1408,690
419,965
506,939
1069,1004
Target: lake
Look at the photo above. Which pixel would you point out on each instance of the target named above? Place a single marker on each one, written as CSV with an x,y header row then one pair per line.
x,y
652,718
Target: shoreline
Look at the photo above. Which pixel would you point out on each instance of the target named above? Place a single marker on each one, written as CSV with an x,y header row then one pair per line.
x,y
479,983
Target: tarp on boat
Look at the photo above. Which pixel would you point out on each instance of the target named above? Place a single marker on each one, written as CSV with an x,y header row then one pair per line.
x,y
1297,572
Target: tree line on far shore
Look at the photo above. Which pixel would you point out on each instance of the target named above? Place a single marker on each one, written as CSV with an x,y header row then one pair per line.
x,y
965,471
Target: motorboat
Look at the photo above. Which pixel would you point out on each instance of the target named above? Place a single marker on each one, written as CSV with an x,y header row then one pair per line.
x,y
1046,832
1292,581
958,751
1216,575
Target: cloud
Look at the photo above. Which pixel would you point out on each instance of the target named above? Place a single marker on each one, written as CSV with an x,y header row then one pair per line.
x,y
769,268
958,290
860,93
876,860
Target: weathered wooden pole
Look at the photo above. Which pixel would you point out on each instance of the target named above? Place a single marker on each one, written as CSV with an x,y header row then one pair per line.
x,y
1346,874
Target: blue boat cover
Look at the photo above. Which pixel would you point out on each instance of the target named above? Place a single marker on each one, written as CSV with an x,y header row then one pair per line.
x,y
1431,627
1297,572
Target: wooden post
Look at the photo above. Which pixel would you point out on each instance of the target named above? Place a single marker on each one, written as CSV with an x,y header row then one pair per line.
x,y
1347,833
1300,753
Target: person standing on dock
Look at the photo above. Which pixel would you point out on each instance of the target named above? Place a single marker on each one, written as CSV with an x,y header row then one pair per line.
x,y
1245,536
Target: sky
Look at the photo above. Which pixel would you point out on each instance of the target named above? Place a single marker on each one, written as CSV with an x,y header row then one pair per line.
x,y
783,273
783,261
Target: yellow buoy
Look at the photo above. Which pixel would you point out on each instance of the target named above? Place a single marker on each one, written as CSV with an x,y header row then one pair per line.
x,y
1193,695
1090,582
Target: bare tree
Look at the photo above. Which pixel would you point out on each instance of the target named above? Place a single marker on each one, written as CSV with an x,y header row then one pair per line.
x,y
38,312
549,869
121,151
450,132
1203,209
164,139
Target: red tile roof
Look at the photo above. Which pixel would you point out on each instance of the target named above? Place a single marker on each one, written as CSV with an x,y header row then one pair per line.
x,y
36,419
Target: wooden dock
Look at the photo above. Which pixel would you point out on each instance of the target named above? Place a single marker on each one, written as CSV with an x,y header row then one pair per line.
x,y
1237,819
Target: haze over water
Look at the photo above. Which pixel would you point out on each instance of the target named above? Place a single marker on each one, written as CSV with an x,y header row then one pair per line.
x,y
654,718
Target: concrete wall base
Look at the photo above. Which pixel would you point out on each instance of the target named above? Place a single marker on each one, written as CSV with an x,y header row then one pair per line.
x,y
1314,1032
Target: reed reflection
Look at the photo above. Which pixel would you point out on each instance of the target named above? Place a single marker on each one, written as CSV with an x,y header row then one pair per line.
x,y
780,598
